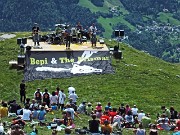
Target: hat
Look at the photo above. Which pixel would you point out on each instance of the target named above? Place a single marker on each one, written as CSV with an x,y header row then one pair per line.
x,y
89,103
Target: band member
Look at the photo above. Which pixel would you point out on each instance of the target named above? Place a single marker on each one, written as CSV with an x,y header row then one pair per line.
x,y
92,32
68,38
58,29
79,31
35,34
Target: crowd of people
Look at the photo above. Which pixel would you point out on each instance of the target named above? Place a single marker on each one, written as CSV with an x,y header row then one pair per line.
x,y
106,119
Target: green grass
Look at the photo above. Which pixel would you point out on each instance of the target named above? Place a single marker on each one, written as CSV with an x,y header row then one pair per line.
x,y
164,17
105,22
139,79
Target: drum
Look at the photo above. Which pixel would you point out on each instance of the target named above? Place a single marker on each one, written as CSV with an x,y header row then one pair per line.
x,y
56,40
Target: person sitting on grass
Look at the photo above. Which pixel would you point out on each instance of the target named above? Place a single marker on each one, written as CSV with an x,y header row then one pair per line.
x,y
140,130
129,120
106,128
99,106
89,109
27,114
153,130
4,110
35,113
82,108
42,115
68,121
16,130
94,125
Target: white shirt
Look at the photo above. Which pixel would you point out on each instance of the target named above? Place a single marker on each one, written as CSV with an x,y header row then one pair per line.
x,y
73,96
134,111
71,89
1,128
54,99
140,115
61,97
26,114
71,110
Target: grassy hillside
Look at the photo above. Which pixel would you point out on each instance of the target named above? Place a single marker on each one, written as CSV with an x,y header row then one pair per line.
x,y
140,79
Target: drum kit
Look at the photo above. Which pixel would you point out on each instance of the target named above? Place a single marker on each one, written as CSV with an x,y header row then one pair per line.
x,y
60,37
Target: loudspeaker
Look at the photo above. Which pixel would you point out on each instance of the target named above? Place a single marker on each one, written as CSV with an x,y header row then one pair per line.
x,y
116,32
28,48
21,59
121,33
24,40
19,40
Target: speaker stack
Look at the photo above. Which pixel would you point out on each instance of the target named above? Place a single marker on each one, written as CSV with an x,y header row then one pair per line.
x,y
119,33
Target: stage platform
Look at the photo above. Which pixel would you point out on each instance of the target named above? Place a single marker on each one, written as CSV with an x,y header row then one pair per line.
x,y
45,46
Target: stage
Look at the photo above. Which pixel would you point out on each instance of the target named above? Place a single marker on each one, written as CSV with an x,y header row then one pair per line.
x,y
45,46
55,61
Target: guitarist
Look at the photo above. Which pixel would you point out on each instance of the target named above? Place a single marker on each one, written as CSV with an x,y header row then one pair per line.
x,y
35,34
92,32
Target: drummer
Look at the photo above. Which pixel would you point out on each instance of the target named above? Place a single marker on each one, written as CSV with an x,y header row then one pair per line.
x,y
58,29
79,31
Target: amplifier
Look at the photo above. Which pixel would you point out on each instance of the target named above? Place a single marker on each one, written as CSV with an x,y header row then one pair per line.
x,y
21,59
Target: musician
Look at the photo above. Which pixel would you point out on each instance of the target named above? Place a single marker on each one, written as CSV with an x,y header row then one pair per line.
x,y
92,32
58,29
79,31
68,38
35,34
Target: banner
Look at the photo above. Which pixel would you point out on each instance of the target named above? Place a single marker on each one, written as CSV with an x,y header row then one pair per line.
x,y
60,64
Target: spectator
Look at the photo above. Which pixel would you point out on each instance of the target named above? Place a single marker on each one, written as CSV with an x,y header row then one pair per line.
x,y
89,109
27,102
108,106
38,96
1,129
61,98
35,113
57,91
106,128
72,104
166,111
16,130
71,90
140,115
27,114
73,96
122,110
33,104
82,108
112,114
117,121
22,91
177,125
94,125
99,106
98,113
53,98
42,115
46,97
153,130
127,109
13,107
134,110
4,110
146,120
71,110
174,113
140,130
129,120
105,117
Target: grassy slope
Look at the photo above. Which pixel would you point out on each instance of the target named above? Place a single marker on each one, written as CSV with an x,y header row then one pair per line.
x,y
105,9
150,83
113,21
164,17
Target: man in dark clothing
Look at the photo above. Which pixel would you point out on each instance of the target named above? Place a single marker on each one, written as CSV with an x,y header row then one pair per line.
x,y
94,125
38,96
35,34
46,97
22,92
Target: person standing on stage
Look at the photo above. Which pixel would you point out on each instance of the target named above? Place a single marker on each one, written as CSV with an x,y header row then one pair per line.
x,y
79,31
22,92
35,34
92,32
